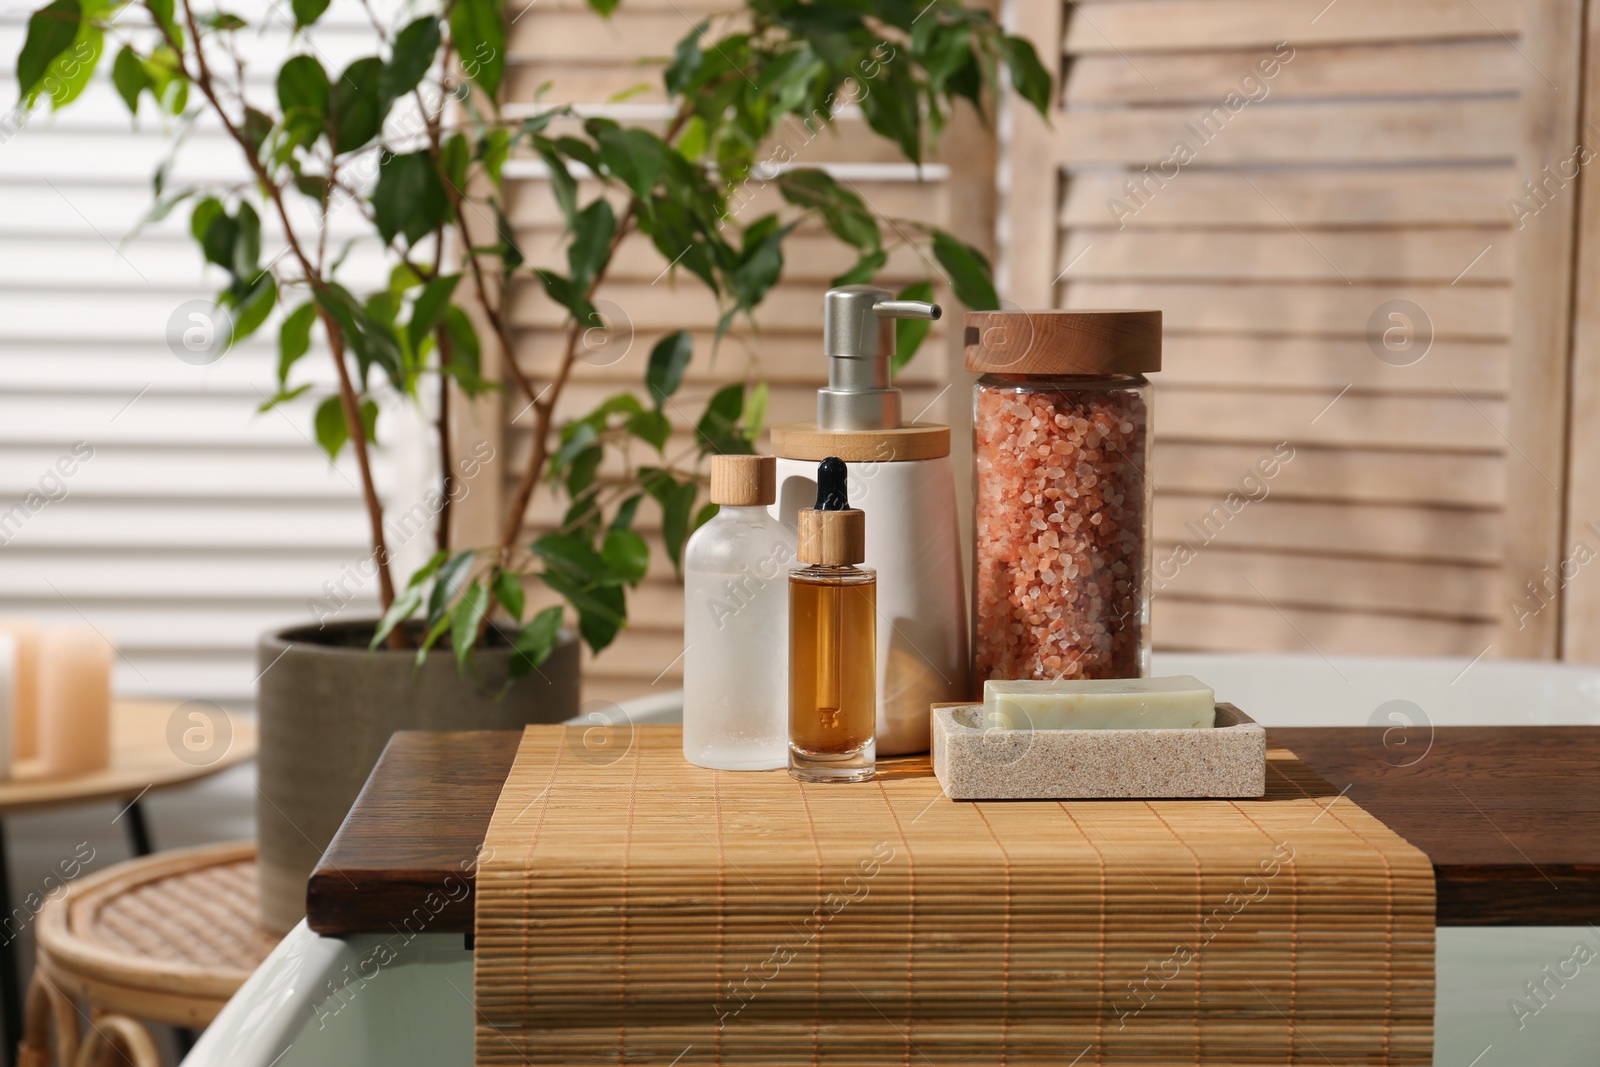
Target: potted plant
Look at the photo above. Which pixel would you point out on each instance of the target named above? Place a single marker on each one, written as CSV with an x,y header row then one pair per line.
x,y
412,140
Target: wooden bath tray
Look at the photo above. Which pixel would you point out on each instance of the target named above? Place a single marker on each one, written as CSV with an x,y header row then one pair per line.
x,y
1509,816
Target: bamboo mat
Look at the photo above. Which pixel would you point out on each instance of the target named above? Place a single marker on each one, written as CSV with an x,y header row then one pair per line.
x,y
632,908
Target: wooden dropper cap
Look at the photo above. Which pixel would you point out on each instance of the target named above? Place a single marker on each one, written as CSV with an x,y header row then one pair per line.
x,y
832,534
744,481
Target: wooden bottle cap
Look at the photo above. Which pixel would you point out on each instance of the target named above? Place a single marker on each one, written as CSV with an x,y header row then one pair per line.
x,y
1063,342
744,481
833,538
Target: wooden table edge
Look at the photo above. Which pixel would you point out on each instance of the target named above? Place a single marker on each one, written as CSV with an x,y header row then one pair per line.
x,y
345,899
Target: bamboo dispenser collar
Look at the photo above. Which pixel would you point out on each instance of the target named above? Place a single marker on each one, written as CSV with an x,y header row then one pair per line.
x,y
803,440
833,538
744,481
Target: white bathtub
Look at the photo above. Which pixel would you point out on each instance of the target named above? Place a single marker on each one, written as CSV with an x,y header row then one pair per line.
x,y
320,1001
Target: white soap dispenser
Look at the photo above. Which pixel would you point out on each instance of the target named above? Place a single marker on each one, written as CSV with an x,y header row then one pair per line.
x,y
901,476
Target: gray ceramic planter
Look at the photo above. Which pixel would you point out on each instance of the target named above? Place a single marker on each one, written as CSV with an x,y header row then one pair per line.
x,y
327,707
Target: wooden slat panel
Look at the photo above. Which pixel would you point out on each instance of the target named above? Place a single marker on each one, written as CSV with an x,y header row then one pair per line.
x,y
1451,368
1326,310
1418,196
1185,25
1389,255
1449,423
1459,67
1453,131
1376,531
1209,626
1329,474
1437,590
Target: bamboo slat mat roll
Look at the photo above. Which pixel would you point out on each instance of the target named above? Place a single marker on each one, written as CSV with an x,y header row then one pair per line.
x,y
632,908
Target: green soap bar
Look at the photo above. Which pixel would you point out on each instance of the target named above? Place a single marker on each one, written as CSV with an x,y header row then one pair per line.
x,y
1177,703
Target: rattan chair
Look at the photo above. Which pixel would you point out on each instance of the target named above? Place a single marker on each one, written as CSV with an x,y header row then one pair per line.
x,y
167,938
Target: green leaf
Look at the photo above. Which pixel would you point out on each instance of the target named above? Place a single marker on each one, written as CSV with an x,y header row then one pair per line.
x,y
332,429
451,575
968,271
282,396
246,244
686,60
405,605
580,475
428,310
414,50
754,413
1028,76
676,510
454,156
865,269
845,213
409,198
427,570
494,149
535,641
651,427
465,363
571,556
216,231
703,516
332,432
356,105
257,125
223,20
253,305
51,31
477,28
591,243
563,292
129,77
307,11
303,86
464,619
626,553
626,511
508,591
718,428
910,333
561,182
372,341
602,609
631,155
603,8
669,360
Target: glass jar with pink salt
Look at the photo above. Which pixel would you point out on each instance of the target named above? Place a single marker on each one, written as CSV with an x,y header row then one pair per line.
x,y
1061,451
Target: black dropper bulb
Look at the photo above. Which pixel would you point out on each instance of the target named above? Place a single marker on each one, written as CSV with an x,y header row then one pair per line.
x,y
832,494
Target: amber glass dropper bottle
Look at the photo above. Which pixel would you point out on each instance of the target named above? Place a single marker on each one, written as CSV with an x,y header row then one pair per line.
x,y
832,640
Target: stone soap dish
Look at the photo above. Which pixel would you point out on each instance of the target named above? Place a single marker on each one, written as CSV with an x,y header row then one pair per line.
x,y
976,761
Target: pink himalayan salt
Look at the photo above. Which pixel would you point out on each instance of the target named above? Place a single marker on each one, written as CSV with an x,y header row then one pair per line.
x,y
1060,533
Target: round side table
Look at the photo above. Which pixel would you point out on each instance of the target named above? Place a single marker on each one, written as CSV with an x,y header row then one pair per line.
x,y
154,745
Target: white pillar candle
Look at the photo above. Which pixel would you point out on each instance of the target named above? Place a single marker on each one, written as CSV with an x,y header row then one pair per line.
x,y
74,701
8,698
24,688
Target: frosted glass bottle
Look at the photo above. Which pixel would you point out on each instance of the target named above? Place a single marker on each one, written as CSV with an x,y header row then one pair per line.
x,y
736,624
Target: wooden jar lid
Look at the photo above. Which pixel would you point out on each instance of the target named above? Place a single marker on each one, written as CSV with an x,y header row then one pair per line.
x,y
1063,342
833,538
802,440
744,481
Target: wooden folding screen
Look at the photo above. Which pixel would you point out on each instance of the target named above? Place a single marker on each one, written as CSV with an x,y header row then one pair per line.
x,y
1328,201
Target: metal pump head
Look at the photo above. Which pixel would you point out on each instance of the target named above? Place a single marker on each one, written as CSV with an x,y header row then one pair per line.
x,y
858,338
